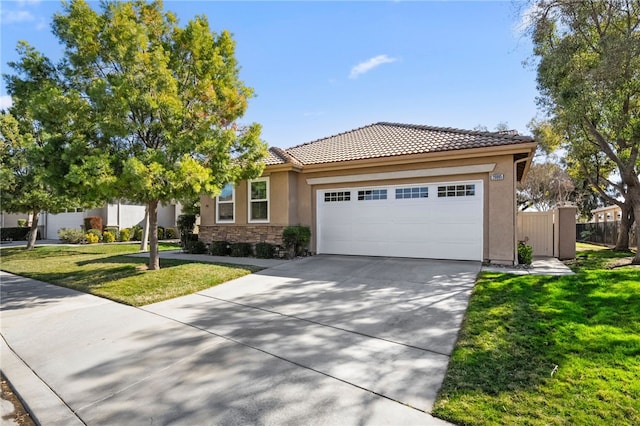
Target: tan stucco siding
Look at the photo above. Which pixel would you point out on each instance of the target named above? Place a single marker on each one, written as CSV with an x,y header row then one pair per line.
x,y
500,224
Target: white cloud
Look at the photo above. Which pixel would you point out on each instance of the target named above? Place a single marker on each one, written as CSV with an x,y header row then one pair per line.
x,y
369,64
5,102
15,16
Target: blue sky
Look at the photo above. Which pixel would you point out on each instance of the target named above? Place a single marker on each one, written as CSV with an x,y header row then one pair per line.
x,y
321,68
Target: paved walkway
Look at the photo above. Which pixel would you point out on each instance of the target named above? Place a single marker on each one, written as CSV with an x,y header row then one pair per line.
x,y
539,266
180,255
322,340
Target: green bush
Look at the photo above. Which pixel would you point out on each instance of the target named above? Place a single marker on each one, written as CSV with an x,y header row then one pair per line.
x,y
186,223
91,238
220,248
71,236
170,233
125,234
137,233
241,250
22,223
114,230
265,250
108,237
525,253
16,234
296,239
96,232
197,247
160,233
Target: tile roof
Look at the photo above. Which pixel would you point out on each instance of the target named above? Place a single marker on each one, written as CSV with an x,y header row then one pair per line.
x,y
392,139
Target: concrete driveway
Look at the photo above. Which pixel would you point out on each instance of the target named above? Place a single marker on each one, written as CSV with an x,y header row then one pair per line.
x,y
323,340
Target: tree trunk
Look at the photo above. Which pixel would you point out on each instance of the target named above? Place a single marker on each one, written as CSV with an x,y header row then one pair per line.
x,y
154,258
622,244
636,214
145,229
33,233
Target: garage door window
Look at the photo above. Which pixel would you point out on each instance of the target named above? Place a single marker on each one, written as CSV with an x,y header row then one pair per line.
x,y
413,192
456,191
372,194
330,197
259,200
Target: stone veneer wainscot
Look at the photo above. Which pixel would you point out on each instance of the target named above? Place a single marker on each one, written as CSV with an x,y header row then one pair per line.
x,y
242,233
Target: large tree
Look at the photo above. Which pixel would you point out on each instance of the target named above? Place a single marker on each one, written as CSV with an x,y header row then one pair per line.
x,y
588,76
36,134
547,186
165,101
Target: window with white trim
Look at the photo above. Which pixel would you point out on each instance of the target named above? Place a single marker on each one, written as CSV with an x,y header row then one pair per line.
x,y
225,204
412,192
457,191
258,200
334,196
372,194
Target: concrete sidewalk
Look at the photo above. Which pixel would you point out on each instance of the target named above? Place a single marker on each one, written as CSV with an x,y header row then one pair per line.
x,y
77,358
539,266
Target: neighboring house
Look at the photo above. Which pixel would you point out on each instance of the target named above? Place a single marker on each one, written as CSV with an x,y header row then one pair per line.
x,y
606,214
384,190
120,214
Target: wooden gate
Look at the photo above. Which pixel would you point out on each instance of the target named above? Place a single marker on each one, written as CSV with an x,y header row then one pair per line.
x,y
536,228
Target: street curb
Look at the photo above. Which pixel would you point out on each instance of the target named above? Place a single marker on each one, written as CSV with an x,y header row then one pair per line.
x,y
44,406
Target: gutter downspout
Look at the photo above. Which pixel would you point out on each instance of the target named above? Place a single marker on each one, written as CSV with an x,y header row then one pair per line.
x,y
515,206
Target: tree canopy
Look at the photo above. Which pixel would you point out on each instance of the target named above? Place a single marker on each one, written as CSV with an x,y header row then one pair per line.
x,y
160,104
588,75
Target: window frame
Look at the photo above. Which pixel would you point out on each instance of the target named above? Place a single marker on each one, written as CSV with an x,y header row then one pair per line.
x,y
250,200
232,202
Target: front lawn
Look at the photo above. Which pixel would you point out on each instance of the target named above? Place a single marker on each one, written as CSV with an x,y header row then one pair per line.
x,y
106,271
542,350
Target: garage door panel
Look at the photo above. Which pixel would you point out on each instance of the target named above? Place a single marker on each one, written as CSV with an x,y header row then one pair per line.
x,y
432,227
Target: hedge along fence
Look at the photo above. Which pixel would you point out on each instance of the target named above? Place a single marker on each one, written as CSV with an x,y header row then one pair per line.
x,y
17,234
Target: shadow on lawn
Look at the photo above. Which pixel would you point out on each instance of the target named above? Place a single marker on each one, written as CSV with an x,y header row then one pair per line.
x,y
519,329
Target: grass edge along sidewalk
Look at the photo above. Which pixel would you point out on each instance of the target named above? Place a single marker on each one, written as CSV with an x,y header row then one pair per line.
x,y
107,271
544,350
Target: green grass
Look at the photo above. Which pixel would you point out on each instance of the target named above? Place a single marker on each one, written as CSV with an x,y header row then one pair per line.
x,y
539,350
106,271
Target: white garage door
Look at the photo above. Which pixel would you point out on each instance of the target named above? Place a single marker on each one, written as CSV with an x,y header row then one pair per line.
x,y
438,221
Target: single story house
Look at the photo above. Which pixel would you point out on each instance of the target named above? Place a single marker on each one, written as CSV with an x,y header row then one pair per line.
x,y
606,214
385,189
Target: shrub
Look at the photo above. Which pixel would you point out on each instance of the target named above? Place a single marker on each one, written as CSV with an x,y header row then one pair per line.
x,y
185,226
160,233
296,239
114,230
96,232
125,234
137,233
22,223
170,233
16,234
241,250
197,247
265,250
220,248
525,253
71,236
108,237
91,238
93,222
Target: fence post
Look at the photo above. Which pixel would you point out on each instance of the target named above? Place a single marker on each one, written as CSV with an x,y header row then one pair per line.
x,y
565,232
